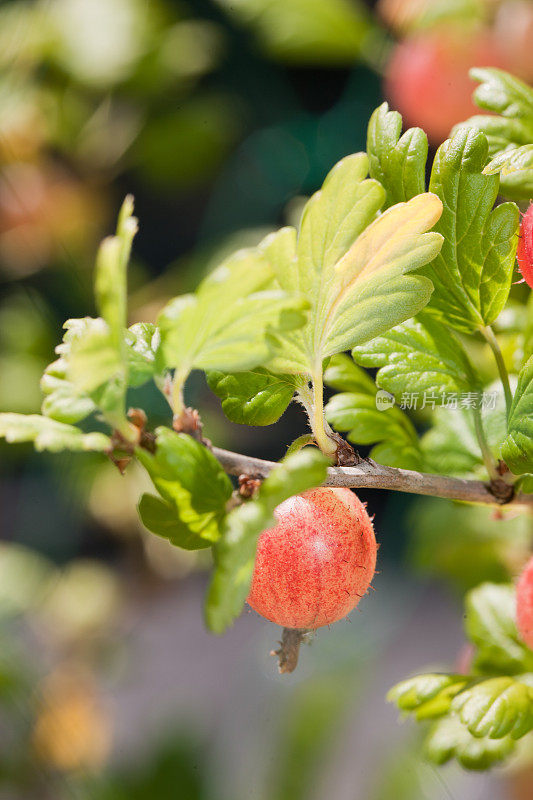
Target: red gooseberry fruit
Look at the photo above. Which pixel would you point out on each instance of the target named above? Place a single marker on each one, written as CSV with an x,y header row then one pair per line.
x,y
314,566
427,77
524,251
524,604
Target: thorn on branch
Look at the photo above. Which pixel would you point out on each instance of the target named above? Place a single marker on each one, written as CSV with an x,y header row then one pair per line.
x,y
345,455
289,648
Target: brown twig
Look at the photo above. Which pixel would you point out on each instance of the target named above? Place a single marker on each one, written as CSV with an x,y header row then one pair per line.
x,y
369,475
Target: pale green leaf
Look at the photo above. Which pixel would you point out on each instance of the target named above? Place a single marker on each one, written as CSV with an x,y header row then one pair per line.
x,y
142,344
192,482
419,356
397,162
517,449
61,401
496,708
49,434
515,167
300,442
235,552
490,625
472,274
224,325
351,265
449,738
252,398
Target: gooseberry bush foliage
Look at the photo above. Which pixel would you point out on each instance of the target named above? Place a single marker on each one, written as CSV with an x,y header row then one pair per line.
x,y
383,272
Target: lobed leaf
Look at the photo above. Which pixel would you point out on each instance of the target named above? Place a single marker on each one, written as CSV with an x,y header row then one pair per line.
x,y
351,265
49,434
449,739
517,449
235,552
419,355
192,484
224,325
397,162
508,128
496,708
515,166
428,695
356,412
472,274
252,398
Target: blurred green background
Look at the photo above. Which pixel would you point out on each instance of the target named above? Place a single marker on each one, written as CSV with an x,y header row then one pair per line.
x,y
219,116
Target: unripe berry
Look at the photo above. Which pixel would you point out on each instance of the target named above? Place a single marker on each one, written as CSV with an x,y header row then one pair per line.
x,y
524,604
314,566
524,251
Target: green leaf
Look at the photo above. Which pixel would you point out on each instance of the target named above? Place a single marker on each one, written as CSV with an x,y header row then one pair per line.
x,y
517,449
142,345
351,266
449,739
496,708
235,552
61,401
472,274
509,127
192,483
490,625
515,167
420,355
397,162
252,398
300,442
224,325
48,434
91,357
428,695
356,411
162,518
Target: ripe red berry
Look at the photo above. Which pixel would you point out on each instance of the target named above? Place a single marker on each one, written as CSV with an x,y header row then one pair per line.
x,y
314,566
524,604
524,251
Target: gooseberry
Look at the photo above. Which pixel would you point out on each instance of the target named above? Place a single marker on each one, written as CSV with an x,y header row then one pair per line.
x,y
524,251
314,566
524,604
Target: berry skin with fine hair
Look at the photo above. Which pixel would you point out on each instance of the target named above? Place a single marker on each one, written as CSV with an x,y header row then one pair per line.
x,y
524,251
524,604
314,566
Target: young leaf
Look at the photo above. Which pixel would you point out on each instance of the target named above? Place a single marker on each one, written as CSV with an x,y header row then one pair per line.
x,y
48,434
252,398
235,552
419,356
490,625
418,693
397,162
351,266
224,325
355,411
472,274
192,483
517,449
496,708
449,738
142,346
61,401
